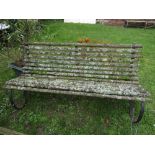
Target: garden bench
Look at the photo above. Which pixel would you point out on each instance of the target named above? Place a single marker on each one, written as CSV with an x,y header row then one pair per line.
x,y
139,23
98,70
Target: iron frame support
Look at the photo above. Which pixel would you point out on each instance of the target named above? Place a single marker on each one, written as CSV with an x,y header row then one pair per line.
x,y
12,101
135,120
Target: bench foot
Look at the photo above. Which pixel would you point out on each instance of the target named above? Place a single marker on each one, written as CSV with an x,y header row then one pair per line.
x,y
132,111
18,99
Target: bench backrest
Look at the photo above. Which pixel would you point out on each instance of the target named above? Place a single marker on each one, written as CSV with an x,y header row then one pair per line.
x,y
99,62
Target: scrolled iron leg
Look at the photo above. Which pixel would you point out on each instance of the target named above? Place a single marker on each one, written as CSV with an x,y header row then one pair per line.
x,y
132,111
14,102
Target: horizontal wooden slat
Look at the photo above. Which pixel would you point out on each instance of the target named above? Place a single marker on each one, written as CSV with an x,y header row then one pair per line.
x,y
80,67
77,51
78,85
80,49
79,78
85,60
83,57
96,61
80,71
134,98
83,54
87,63
85,45
82,75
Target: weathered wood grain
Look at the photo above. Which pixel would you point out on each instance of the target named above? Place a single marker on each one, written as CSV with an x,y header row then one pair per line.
x,y
84,45
64,70
105,76
78,85
81,60
51,77
80,67
77,51
135,98
77,63
82,57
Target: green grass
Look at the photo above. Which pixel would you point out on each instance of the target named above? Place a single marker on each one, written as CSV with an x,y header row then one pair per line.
x,y
63,114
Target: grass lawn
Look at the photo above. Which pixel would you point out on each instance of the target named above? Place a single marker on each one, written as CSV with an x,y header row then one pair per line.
x,y
63,114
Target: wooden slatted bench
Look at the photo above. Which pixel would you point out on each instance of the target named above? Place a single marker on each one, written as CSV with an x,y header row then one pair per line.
x,y
139,23
99,70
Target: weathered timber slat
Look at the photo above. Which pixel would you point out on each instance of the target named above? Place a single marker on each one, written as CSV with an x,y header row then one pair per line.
x,y
80,71
96,52
97,60
89,50
81,67
73,50
84,57
81,89
82,75
78,93
71,62
79,78
88,86
85,45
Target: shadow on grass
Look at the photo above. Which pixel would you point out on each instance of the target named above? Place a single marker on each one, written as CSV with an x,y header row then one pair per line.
x,y
67,114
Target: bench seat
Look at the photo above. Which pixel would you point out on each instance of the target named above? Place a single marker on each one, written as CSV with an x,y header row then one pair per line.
x,y
53,84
